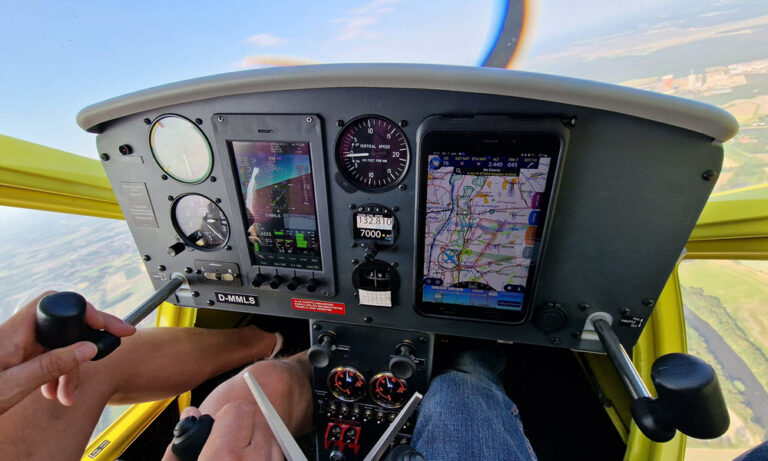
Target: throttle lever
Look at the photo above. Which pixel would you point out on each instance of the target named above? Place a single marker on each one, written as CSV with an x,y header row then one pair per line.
x,y
61,319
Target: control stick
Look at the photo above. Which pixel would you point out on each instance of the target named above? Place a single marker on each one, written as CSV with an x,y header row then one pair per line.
x,y
689,396
61,319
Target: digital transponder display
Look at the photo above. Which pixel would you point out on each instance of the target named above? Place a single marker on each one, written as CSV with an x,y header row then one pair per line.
x,y
483,211
279,199
374,226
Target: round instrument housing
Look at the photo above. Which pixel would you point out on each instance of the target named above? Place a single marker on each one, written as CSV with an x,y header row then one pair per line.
x,y
200,222
372,153
180,149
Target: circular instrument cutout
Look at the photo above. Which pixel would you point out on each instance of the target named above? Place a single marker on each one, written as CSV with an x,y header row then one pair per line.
x,y
346,384
181,149
200,222
388,391
372,153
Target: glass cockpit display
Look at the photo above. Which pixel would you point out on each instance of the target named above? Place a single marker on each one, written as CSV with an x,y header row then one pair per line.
x,y
486,197
279,200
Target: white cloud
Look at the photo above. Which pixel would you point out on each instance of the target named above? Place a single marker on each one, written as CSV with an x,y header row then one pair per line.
x,y
266,39
357,21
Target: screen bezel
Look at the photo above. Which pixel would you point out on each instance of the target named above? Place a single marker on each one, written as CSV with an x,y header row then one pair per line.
x,y
244,210
448,140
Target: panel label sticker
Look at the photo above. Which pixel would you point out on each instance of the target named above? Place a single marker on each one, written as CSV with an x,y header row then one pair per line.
x,y
236,298
325,307
137,204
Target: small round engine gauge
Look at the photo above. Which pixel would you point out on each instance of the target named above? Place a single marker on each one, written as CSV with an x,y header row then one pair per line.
x,y
388,391
200,222
372,153
180,148
346,384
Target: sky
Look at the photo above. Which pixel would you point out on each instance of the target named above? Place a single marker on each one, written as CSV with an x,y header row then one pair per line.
x,y
58,57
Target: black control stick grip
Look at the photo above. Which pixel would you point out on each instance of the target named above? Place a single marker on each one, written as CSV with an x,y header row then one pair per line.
x,y
190,435
61,322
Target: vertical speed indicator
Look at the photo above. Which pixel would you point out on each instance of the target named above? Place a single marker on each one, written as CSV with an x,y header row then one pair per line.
x,y
372,153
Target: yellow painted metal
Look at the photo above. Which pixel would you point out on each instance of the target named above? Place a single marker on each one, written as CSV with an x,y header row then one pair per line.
x,y
664,334
40,177
120,434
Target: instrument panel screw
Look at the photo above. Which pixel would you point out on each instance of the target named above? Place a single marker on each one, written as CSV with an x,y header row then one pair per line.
x,y
195,294
355,261
576,334
708,175
402,187
423,339
170,198
228,247
625,311
199,271
317,327
218,200
354,293
583,306
309,119
352,206
395,209
105,157
210,302
554,340
213,178
326,294
403,123
161,268
648,302
339,122
199,121
125,149
367,319
395,264
146,258
164,177
147,121
188,270
220,118
353,245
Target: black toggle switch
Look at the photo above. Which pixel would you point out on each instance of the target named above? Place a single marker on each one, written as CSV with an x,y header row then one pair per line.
x,y
176,248
258,280
276,282
312,285
293,283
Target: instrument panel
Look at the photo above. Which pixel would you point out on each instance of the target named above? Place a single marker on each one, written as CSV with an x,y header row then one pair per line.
x,y
457,212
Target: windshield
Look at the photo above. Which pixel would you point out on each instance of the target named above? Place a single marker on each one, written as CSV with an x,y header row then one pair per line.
x,y
59,57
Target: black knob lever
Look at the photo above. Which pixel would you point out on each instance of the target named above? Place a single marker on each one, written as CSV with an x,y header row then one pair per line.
x,y
190,435
320,354
61,319
402,364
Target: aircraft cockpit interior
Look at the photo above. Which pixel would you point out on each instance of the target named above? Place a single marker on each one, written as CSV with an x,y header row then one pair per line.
x,y
388,213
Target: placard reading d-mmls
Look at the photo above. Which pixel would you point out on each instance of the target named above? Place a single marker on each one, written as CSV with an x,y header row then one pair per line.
x,y
236,298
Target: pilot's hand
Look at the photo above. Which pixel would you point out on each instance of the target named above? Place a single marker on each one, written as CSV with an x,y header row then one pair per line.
x,y
25,364
239,433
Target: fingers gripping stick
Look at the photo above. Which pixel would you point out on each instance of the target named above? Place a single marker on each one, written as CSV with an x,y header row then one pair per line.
x,y
61,319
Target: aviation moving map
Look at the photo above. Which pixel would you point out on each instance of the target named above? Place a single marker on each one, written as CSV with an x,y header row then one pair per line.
x,y
278,195
482,217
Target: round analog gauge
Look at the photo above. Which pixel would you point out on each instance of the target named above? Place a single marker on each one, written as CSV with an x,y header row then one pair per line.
x,y
180,148
372,153
346,384
200,222
388,391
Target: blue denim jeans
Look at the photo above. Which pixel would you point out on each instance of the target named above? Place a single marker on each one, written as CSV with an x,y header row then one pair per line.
x,y
465,414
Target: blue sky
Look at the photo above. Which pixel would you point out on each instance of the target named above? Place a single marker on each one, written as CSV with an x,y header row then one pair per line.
x,y
58,57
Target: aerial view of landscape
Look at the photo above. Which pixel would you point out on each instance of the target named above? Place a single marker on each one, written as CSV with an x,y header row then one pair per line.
x,y
715,52
712,51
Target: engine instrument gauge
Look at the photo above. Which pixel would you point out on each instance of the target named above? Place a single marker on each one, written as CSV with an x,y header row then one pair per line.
x,y
200,222
346,384
181,149
388,391
372,153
